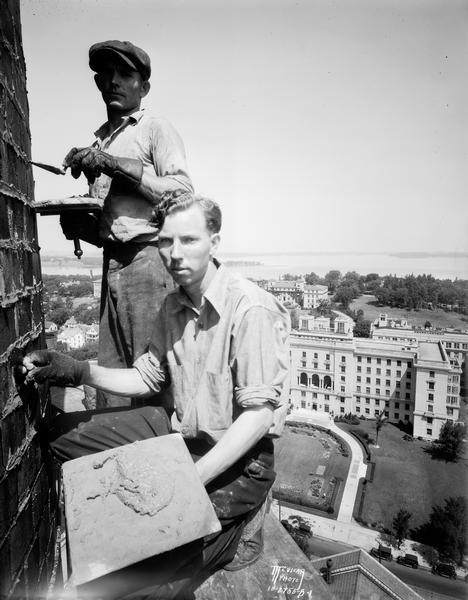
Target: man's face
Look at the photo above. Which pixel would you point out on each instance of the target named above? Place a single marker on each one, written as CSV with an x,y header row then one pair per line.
x,y
186,246
122,87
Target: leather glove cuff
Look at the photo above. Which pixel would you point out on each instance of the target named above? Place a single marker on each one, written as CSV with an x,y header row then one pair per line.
x,y
58,369
129,169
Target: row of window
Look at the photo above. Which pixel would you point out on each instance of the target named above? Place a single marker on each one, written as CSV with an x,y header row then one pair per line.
x,y
388,382
378,361
388,361
304,355
378,371
396,416
315,395
315,365
456,345
387,392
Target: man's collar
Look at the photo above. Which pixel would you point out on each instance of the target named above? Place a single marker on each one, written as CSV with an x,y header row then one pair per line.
x,y
101,133
215,294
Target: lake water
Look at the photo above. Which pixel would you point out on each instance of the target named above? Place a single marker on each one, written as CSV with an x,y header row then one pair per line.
x,y
273,266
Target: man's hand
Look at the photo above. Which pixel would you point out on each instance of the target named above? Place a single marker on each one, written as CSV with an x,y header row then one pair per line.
x,y
58,369
91,162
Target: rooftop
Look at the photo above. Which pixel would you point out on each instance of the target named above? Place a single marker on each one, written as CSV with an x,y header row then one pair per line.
x,y
355,574
430,351
366,345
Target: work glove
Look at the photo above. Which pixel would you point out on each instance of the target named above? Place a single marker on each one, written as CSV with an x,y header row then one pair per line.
x,y
57,369
82,225
93,162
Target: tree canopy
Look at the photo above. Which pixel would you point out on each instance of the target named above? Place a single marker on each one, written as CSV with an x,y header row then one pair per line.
x,y
450,445
400,525
446,529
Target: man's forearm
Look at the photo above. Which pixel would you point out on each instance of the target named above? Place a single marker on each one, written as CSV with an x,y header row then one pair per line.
x,y
244,433
153,187
122,382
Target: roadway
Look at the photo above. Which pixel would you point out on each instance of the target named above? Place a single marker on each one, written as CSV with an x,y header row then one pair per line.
x,y
426,584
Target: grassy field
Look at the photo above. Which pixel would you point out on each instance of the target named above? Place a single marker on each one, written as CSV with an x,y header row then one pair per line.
x,y
437,317
406,476
305,464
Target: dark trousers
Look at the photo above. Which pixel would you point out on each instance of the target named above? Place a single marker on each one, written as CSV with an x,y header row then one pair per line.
x,y
236,495
134,284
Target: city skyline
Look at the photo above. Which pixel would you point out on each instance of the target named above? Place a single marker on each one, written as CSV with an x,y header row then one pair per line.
x,y
318,126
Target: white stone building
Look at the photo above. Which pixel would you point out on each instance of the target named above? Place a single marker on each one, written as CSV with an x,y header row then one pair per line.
x,y
409,381
298,292
313,295
50,327
72,337
92,333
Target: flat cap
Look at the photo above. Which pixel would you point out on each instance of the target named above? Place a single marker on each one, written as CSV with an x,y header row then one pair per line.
x,y
132,55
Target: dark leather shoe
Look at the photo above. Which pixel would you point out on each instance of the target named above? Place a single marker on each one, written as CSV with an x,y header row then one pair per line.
x,y
248,552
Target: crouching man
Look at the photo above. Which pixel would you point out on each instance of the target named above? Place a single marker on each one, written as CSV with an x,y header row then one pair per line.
x,y
219,350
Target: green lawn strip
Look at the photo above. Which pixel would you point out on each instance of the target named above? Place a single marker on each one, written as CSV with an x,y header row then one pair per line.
x,y
406,477
297,458
437,317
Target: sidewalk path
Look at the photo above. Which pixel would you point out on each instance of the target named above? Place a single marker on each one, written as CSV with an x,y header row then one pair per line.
x,y
348,533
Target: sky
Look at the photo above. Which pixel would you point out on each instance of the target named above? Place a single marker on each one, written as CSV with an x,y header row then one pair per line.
x,y
318,125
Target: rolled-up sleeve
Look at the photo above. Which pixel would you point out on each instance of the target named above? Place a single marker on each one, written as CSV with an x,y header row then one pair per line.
x,y
169,161
151,371
260,358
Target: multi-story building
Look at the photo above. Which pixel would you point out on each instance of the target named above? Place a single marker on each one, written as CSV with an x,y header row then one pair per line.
x,y
288,292
298,292
413,382
454,342
92,333
72,337
313,295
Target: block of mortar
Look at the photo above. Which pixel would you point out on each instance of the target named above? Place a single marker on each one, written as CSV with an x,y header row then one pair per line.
x,y
129,503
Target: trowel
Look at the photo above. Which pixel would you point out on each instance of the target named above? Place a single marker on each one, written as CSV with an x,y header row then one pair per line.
x,y
57,207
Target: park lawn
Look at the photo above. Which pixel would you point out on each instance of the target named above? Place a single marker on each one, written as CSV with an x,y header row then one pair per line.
x,y
405,476
437,317
297,457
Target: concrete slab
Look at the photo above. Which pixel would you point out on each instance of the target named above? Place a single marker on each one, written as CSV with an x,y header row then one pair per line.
x,y
129,503
282,571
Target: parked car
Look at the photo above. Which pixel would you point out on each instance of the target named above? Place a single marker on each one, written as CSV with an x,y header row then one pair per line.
x,y
382,552
305,528
409,560
287,525
297,523
444,570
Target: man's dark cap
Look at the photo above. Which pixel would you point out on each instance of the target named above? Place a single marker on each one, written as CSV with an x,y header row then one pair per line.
x,y
133,56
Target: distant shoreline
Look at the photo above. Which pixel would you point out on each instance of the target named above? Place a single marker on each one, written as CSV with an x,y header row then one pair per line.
x,y
405,254
274,266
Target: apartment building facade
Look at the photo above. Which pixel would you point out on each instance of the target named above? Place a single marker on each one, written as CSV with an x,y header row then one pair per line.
x,y
333,372
298,292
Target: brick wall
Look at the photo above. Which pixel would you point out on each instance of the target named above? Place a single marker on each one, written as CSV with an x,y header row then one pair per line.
x,y
27,531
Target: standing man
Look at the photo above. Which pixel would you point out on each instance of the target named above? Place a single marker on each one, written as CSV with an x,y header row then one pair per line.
x,y
135,160
221,344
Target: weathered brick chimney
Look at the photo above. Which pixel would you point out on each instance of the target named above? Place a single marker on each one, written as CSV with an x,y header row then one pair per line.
x,y
27,529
